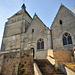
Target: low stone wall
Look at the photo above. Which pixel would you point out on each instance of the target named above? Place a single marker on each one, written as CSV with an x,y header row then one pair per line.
x,y
50,56
25,64
67,68
58,56
17,63
1,62
36,70
62,55
50,53
9,64
69,71
51,60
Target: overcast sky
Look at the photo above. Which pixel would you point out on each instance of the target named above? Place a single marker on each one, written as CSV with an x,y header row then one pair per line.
x,y
45,9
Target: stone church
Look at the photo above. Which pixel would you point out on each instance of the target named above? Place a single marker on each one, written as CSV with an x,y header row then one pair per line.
x,y
22,32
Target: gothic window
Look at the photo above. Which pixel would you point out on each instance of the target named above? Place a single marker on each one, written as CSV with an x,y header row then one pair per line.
x,y
40,44
67,39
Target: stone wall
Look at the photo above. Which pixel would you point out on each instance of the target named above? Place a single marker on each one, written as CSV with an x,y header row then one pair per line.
x,y
12,42
25,64
50,53
50,56
14,27
37,70
40,31
18,34
1,62
17,63
62,55
69,71
68,25
9,63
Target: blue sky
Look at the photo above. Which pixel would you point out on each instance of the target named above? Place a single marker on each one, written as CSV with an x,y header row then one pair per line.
x,y
45,9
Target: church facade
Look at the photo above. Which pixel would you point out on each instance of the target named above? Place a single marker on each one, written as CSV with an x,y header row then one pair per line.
x,y
22,32
63,29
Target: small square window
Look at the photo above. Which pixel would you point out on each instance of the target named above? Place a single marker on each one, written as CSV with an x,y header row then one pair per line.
x,y
13,37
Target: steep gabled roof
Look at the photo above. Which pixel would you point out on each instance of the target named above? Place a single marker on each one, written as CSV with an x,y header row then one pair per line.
x,y
35,15
20,12
60,10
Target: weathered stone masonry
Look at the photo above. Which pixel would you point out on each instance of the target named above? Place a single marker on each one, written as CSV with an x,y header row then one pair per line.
x,y
17,63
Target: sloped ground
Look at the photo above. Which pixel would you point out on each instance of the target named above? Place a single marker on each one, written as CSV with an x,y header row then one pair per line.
x,y
47,68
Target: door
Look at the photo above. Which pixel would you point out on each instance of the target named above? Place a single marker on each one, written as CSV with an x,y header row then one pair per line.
x,y
33,52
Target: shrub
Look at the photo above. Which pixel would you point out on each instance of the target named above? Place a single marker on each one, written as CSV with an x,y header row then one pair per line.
x,y
27,55
22,65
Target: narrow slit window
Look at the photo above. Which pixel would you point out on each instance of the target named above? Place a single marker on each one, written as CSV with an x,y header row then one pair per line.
x,y
60,22
32,30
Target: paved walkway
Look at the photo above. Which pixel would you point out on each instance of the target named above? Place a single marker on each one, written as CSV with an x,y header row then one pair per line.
x,y
47,68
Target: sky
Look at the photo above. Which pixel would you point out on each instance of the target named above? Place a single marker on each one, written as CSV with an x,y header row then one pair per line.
x,y
45,9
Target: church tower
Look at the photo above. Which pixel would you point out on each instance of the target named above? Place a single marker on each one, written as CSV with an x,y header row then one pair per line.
x,y
22,32
15,27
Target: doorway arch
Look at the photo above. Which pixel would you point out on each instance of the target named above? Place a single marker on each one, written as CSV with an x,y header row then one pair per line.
x,y
33,52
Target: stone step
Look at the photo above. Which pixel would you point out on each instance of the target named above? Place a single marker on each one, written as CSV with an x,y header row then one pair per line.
x,y
47,68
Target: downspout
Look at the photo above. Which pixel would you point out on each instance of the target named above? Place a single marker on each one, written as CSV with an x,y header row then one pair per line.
x,y
51,39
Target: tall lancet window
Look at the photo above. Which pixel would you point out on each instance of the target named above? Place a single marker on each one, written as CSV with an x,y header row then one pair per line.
x,y
67,39
40,44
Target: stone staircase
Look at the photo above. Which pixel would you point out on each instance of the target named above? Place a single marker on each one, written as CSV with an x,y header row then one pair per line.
x,y
47,68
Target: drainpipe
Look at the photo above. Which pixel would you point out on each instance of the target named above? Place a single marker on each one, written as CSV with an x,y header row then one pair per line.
x,y
51,39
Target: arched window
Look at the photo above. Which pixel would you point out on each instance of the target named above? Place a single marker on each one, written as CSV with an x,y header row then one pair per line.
x,y
67,39
40,44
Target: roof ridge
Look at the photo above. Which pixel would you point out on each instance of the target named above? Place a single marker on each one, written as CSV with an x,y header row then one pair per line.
x,y
69,10
58,12
39,19
17,13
